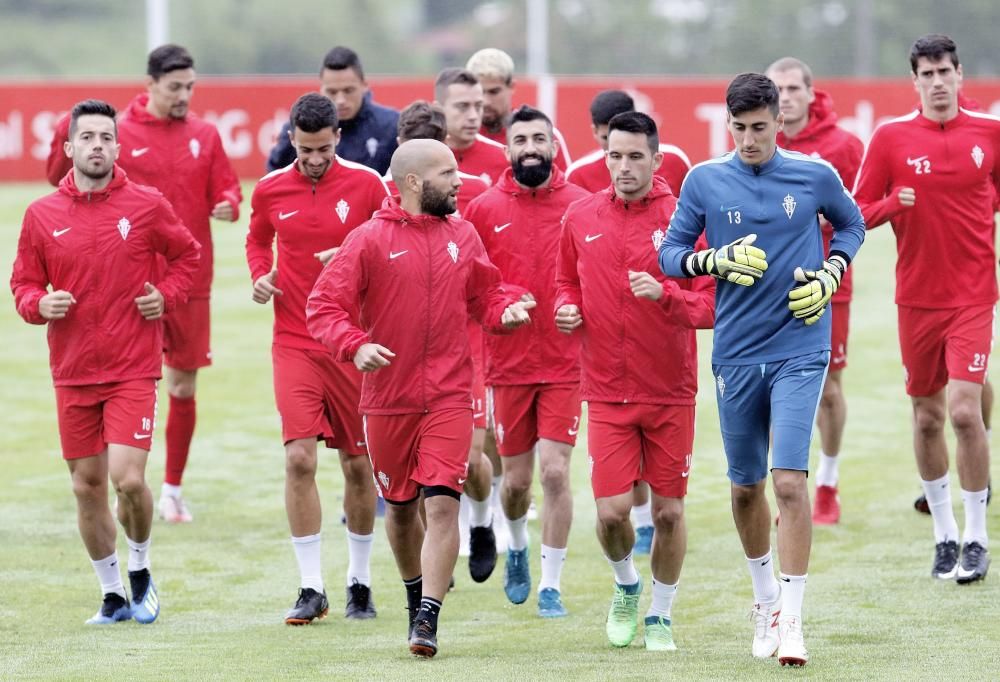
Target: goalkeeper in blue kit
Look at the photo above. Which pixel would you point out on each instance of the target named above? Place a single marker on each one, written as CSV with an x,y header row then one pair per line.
x,y
758,207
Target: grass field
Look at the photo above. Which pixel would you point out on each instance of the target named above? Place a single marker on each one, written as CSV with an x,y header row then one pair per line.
x,y
871,611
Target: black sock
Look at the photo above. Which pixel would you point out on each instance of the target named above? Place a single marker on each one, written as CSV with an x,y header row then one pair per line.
x,y
139,582
429,610
414,589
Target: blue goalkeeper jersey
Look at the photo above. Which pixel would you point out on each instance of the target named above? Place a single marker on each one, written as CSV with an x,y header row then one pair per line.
x,y
779,201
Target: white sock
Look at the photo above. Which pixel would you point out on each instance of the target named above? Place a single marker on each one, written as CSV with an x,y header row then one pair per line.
x,y
359,552
518,529
975,516
663,599
793,588
307,553
625,573
480,513
138,554
938,493
109,575
826,472
170,490
765,587
643,514
552,565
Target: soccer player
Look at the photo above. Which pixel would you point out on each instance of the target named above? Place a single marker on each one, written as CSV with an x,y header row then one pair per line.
x,y
395,300
591,171
97,241
459,93
640,366
310,206
772,341
495,70
940,165
367,129
811,127
533,375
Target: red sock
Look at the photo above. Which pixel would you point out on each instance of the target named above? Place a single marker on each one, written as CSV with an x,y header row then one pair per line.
x,y
180,430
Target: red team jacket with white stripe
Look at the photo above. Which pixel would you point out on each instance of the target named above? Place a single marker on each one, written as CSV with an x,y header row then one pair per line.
x,y
409,283
306,218
823,139
633,350
591,171
946,257
484,158
520,229
102,247
185,160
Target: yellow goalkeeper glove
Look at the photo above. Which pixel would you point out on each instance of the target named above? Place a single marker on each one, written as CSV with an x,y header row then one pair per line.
x,y
808,302
737,262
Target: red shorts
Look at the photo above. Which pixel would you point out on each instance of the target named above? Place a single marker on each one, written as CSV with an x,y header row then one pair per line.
x,y
90,417
630,443
942,344
317,397
480,411
410,451
841,313
523,414
186,331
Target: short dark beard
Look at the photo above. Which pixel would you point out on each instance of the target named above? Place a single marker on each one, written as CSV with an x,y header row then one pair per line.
x,y
436,203
532,176
93,175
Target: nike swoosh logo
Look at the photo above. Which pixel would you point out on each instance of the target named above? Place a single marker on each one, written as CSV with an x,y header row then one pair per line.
x,y
59,233
765,563
501,228
573,432
723,209
974,368
477,415
285,216
591,237
141,436
360,443
461,481
139,152
910,161
684,474
393,256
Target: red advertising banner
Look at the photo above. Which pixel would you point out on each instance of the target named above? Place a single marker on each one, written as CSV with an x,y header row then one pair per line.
x,y
249,111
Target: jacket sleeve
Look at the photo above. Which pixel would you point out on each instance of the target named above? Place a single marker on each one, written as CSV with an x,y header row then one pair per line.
x,y
223,183
690,303
568,291
29,280
334,306
843,213
487,295
181,251
686,225
58,164
260,237
873,191
282,153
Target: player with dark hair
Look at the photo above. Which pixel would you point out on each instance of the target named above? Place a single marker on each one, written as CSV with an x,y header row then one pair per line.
x,y
533,374
395,300
96,241
771,345
811,127
459,93
639,373
367,130
934,174
310,207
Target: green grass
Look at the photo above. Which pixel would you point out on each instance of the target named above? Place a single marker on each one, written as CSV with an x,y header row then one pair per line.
x,y
871,611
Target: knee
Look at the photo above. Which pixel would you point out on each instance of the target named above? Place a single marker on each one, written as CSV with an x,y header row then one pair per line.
x,y
744,497
928,421
89,488
130,484
667,517
609,516
790,490
832,396
517,483
965,415
300,461
554,477
358,471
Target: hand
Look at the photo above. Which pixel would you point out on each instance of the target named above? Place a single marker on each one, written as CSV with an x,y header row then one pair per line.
x,y
907,196
808,302
223,211
372,356
264,289
568,318
55,305
516,314
644,285
737,262
151,304
326,256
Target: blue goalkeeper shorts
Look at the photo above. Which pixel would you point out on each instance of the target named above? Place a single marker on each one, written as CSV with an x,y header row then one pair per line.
x,y
772,400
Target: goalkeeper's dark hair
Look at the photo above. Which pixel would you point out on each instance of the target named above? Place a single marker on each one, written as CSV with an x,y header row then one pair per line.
x,y
167,58
340,58
312,112
609,103
638,123
92,107
750,92
934,47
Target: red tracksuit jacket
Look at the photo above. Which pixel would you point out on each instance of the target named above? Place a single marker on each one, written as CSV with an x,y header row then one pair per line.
x,y
102,247
306,219
520,229
484,158
409,283
633,350
823,139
